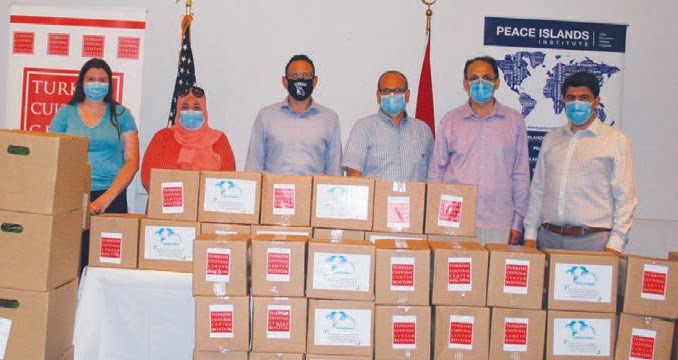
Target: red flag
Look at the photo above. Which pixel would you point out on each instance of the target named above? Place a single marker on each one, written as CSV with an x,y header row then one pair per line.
x,y
425,93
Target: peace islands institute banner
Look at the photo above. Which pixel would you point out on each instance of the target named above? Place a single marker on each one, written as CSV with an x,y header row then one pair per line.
x,y
535,57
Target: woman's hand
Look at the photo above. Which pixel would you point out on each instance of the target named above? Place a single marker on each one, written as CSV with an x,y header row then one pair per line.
x,y
100,205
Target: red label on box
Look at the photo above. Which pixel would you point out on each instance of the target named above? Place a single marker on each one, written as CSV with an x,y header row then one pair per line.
x,y
110,247
283,198
128,47
58,44
278,264
93,46
516,275
404,333
279,320
218,264
172,196
398,213
642,347
515,333
221,322
459,273
654,283
23,42
450,211
461,333
402,275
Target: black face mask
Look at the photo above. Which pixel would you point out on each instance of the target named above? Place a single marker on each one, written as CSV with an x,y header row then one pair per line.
x,y
300,90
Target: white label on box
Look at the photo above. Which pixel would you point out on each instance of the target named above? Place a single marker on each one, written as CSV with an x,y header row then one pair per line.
x,y
169,243
459,274
348,202
516,275
230,196
402,273
279,320
284,196
336,271
278,264
461,332
642,344
404,332
111,248
5,328
218,265
654,282
343,327
581,337
398,212
375,237
449,213
583,282
172,197
515,334
282,232
221,321
225,232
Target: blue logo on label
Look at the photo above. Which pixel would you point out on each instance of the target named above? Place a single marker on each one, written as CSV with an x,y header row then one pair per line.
x,y
579,329
581,275
338,264
341,320
167,237
229,189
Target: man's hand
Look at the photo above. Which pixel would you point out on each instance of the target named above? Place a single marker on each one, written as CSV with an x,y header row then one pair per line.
x,y
531,243
514,237
613,251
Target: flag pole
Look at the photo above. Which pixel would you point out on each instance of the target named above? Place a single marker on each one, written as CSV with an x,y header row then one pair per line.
x,y
189,4
429,14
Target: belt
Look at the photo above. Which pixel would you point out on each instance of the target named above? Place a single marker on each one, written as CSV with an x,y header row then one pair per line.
x,y
573,230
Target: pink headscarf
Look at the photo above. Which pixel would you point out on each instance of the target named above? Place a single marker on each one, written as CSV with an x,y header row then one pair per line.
x,y
196,145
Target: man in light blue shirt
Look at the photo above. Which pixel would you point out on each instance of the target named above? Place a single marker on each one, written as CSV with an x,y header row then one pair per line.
x,y
297,136
389,145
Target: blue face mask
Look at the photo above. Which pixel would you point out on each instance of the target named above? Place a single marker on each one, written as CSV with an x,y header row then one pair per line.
x,y
578,112
191,119
95,91
481,91
393,104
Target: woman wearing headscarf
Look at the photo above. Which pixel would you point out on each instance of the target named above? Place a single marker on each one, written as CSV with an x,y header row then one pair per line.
x,y
190,144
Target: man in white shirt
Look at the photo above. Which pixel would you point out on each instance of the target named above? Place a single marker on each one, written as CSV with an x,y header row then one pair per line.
x,y
583,192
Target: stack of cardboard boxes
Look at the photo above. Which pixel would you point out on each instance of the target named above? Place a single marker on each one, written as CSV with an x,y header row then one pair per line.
x,y
43,191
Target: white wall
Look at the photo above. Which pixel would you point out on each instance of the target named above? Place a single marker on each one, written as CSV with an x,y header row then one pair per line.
x,y
241,47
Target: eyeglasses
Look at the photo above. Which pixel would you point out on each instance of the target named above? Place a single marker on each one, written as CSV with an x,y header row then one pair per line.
x,y
397,91
300,76
485,77
195,91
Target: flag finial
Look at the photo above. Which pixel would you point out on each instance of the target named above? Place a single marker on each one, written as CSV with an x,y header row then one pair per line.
x,y
429,13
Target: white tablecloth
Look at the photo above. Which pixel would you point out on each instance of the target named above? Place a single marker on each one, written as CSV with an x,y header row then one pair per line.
x,y
134,315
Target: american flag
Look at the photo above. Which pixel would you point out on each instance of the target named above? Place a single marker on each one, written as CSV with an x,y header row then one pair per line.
x,y
186,70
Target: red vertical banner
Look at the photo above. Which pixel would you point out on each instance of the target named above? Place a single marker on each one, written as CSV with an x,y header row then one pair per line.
x,y
425,93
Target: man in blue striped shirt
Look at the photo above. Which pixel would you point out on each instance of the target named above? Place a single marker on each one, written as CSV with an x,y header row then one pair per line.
x,y
389,145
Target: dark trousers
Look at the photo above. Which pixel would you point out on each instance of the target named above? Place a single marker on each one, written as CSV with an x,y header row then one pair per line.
x,y
118,206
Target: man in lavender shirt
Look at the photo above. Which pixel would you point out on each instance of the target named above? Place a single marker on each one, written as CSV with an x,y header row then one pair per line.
x,y
485,143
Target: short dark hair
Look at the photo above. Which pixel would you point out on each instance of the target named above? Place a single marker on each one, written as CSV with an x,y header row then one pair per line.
x,y
407,86
581,78
300,57
486,59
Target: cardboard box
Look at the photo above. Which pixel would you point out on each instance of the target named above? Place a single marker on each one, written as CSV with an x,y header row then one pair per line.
x,y
173,195
37,325
224,229
517,334
229,197
332,357
68,355
278,265
340,327
374,236
114,240
399,206
580,335
404,332
582,281
342,202
453,238
279,324
642,337
462,333
214,355
39,252
459,273
276,356
402,276
450,209
85,200
516,277
340,270
673,255
281,230
167,245
286,200
220,265
43,173
338,234
222,323
651,287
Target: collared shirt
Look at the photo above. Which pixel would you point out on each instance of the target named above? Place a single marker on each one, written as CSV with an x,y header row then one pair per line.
x,y
381,150
286,142
584,179
490,153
